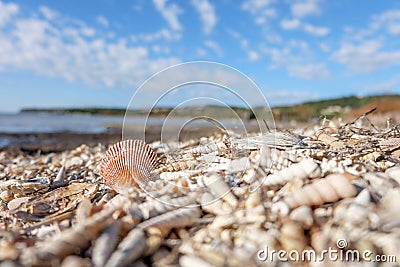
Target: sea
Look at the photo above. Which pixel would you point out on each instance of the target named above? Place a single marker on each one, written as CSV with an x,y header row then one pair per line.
x,y
32,123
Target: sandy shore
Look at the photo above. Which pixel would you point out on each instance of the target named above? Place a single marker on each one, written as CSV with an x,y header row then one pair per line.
x,y
58,142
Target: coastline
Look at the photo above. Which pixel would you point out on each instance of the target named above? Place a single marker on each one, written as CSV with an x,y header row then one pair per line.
x,y
61,141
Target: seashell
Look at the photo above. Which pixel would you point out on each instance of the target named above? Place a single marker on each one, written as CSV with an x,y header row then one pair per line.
x,y
171,176
380,182
223,221
6,195
128,163
3,207
220,189
83,210
173,219
21,188
75,161
207,148
329,189
163,257
156,207
326,138
59,180
272,139
178,166
17,202
303,215
277,159
390,142
219,258
68,241
319,240
388,214
75,261
191,260
214,206
304,169
253,200
105,244
8,251
388,242
292,237
238,165
130,249
394,173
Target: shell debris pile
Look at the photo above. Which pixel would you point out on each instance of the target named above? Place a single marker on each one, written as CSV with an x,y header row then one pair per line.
x,y
214,201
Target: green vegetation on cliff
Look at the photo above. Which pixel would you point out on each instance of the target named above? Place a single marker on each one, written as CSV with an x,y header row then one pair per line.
x,y
352,105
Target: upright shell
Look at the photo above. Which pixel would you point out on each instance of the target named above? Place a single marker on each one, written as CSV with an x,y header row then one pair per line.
x,y
128,163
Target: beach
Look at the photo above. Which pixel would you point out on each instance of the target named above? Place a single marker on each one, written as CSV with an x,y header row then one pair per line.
x,y
213,202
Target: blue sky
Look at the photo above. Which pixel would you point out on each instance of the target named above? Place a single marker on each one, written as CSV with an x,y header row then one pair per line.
x,y
97,53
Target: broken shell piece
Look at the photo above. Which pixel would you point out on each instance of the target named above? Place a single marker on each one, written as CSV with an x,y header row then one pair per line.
x,y
219,188
303,215
292,237
390,142
394,173
214,206
17,202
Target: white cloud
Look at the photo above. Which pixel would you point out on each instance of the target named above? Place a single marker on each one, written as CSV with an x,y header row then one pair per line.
x,y
296,24
170,13
253,55
207,14
48,13
325,47
385,86
138,6
201,52
7,11
289,97
309,71
301,45
317,31
260,9
164,34
305,8
160,49
64,51
273,38
244,44
371,48
390,20
102,21
255,5
87,31
366,56
214,46
290,24
295,57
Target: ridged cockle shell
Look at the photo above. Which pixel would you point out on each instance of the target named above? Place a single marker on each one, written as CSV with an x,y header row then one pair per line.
x,y
128,163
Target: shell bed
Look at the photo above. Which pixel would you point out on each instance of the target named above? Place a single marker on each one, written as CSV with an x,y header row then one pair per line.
x,y
211,201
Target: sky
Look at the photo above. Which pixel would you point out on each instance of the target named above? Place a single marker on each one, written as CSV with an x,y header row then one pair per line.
x,y
97,53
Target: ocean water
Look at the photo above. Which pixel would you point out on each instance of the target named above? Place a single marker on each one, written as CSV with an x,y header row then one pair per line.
x,y
22,127
50,123
81,123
